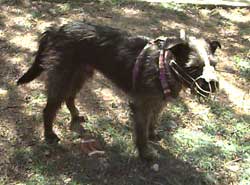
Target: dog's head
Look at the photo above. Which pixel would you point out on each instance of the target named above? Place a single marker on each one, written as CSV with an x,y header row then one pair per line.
x,y
195,63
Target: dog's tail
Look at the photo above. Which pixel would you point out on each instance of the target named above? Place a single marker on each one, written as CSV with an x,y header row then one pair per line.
x,y
36,69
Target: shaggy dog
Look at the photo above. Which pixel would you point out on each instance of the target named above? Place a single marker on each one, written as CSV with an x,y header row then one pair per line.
x,y
139,66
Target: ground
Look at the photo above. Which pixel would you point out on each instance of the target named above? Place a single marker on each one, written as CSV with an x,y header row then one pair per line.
x,y
202,142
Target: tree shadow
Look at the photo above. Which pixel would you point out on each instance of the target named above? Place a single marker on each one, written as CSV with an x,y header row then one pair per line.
x,y
111,168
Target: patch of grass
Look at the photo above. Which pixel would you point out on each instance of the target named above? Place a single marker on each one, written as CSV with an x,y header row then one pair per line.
x,y
117,2
115,135
220,143
244,66
179,9
22,155
9,1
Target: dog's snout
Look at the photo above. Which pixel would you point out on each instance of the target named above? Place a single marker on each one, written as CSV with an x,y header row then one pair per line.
x,y
209,74
205,88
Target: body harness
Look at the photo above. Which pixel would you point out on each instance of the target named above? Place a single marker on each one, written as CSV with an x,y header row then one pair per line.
x,y
167,61
164,58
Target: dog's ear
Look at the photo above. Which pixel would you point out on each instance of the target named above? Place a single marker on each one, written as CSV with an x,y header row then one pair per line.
x,y
179,48
214,45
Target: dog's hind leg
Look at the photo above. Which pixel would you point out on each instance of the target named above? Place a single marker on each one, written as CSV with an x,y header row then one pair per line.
x,y
70,102
58,84
49,114
78,79
76,120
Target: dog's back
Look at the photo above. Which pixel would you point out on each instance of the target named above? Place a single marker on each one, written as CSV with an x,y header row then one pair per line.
x,y
77,45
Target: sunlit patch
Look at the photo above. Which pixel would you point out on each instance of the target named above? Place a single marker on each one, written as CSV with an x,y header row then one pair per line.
x,y
112,100
17,59
26,41
237,16
3,93
2,35
43,25
22,21
236,96
131,11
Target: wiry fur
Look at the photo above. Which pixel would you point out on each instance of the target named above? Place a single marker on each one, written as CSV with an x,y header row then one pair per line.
x,y
70,54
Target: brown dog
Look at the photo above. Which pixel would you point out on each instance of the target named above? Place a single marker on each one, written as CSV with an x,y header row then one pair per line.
x,y
148,71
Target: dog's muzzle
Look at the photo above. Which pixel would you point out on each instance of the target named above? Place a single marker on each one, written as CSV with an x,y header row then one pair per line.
x,y
207,83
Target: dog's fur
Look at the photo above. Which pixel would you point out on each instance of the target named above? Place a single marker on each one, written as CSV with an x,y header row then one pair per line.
x,y
70,54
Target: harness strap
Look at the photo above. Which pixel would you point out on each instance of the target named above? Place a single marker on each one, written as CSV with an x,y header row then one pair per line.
x,y
138,62
164,70
164,58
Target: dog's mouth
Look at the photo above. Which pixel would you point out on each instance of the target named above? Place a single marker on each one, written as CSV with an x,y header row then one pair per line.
x,y
203,88
205,85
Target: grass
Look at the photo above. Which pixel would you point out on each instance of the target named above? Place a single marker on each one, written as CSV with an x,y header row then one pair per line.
x,y
201,143
243,64
220,143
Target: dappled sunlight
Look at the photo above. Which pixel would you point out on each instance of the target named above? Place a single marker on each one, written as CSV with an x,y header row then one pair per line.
x,y
237,96
197,108
112,103
238,16
17,59
26,41
131,12
3,93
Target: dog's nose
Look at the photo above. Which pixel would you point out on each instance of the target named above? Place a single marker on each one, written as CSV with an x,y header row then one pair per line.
x,y
209,74
210,77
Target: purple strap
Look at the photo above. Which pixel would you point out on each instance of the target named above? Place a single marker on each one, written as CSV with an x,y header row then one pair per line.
x,y
164,58
137,63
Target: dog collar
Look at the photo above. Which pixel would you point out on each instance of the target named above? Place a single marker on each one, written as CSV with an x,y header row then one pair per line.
x,y
164,72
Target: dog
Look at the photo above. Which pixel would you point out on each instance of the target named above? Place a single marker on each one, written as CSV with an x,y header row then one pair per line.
x,y
150,71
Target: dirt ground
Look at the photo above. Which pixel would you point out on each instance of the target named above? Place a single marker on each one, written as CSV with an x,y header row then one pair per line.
x,y
26,159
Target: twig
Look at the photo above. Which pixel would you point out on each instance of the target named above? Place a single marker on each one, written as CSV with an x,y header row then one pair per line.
x,y
235,160
10,107
96,152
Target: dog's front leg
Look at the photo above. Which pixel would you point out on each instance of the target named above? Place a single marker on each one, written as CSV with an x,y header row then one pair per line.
x,y
141,112
154,119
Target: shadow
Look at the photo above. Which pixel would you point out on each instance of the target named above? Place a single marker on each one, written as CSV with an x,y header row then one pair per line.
x,y
111,168
18,130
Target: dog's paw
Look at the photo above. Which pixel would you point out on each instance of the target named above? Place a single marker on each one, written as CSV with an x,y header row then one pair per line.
x,y
77,127
51,138
78,119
